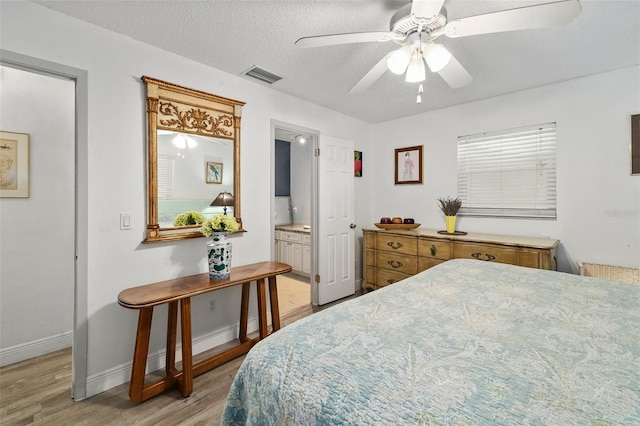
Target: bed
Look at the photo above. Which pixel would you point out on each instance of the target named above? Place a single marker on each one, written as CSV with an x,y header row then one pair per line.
x,y
465,342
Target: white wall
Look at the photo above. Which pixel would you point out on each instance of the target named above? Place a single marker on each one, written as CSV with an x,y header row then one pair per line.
x,y
37,246
598,201
116,175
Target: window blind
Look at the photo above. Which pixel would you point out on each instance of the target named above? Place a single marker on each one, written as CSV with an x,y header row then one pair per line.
x,y
165,177
508,173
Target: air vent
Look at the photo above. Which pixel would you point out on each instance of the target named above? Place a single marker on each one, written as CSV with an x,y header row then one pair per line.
x,y
262,75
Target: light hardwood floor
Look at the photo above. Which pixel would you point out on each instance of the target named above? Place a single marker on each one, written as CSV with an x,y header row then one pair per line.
x,y
37,392
294,291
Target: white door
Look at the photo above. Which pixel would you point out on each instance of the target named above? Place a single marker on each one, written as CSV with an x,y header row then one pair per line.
x,y
336,258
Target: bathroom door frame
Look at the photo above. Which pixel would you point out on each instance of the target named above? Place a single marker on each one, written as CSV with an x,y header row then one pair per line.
x,y
313,134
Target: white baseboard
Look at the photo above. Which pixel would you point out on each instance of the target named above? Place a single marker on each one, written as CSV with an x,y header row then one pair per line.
x,y
100,382
35,348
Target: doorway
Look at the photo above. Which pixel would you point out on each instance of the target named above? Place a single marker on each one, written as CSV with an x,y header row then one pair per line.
x,y
292,216
62,146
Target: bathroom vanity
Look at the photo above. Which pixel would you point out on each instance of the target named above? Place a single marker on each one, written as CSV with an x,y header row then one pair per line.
x,y
293,246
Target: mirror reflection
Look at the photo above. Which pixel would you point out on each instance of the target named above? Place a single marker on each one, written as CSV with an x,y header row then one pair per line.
x,y
193,156
192,171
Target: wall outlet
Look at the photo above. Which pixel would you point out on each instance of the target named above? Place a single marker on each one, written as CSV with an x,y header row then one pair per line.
x,y
212,305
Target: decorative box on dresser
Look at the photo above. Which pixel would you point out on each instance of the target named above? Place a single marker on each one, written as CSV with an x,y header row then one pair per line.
x,y
393,255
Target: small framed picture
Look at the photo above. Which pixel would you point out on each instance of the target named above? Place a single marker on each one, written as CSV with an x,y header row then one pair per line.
x,y
408,165
357,163
14,164
213,173
635,144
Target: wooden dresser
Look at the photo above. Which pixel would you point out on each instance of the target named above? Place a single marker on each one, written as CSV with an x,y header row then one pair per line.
x,y
391,256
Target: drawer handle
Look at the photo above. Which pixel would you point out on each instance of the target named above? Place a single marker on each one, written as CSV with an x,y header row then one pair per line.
x,y
394,245
390,281
489,258
394,263
433,250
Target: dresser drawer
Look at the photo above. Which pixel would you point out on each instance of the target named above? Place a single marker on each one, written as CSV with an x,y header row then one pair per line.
x,y
397,244
529,258
486,252
292,237
384,277
435,249
397,262
425,263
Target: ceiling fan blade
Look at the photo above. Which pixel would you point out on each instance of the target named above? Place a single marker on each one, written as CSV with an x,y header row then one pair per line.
x,y
426,9
454,74
371,76
346,38
539,16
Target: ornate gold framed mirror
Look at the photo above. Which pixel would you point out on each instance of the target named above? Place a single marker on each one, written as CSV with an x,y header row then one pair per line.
x,y
193,156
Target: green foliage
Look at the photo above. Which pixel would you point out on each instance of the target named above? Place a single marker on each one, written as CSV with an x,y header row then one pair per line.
x,y
220,223
188,218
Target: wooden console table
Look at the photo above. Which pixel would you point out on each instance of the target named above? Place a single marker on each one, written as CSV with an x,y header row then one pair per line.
x,y
181,290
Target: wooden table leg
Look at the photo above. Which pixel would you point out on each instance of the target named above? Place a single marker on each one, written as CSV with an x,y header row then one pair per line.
x,y
172,322
187,356
273,300
244,312
262,308
140,354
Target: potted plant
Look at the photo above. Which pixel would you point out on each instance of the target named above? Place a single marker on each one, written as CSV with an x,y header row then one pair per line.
x,y
450,207
188,218
221,223
219,249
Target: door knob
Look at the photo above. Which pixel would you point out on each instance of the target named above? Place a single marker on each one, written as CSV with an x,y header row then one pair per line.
x,y
352,226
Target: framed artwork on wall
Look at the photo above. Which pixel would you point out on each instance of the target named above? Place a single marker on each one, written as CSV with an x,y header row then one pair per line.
x,y
408,165
357,163
213,173
14,164
635,144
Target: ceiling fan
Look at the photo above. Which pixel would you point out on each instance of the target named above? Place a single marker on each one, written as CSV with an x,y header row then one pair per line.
x,y
417,25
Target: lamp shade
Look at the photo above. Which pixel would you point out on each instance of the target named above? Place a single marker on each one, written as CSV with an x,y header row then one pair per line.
x,y
437,56
224,199
398,60
415,70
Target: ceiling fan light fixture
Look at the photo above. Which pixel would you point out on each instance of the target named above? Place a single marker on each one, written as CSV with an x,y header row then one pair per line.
x,y
437,56
415,70
398,60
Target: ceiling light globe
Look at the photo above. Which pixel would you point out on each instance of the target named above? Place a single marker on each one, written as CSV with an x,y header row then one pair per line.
x,y
191,143
179,141
415,70
398,60
437,56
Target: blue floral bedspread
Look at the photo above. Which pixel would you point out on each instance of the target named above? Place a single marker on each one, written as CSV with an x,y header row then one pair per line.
x,y
464,343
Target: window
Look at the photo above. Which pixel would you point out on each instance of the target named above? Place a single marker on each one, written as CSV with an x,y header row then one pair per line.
x,y
165,177
509,173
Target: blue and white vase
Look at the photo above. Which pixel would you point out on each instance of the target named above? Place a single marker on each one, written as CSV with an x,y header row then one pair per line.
x,y
219,250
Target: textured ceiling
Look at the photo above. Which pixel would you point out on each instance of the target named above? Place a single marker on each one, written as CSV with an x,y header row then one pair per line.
x,y
235,35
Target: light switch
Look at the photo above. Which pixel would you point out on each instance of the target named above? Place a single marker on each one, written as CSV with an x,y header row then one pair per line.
x,y
125,221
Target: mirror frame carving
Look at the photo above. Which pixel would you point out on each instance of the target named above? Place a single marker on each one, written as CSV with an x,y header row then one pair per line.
x,y
181,109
